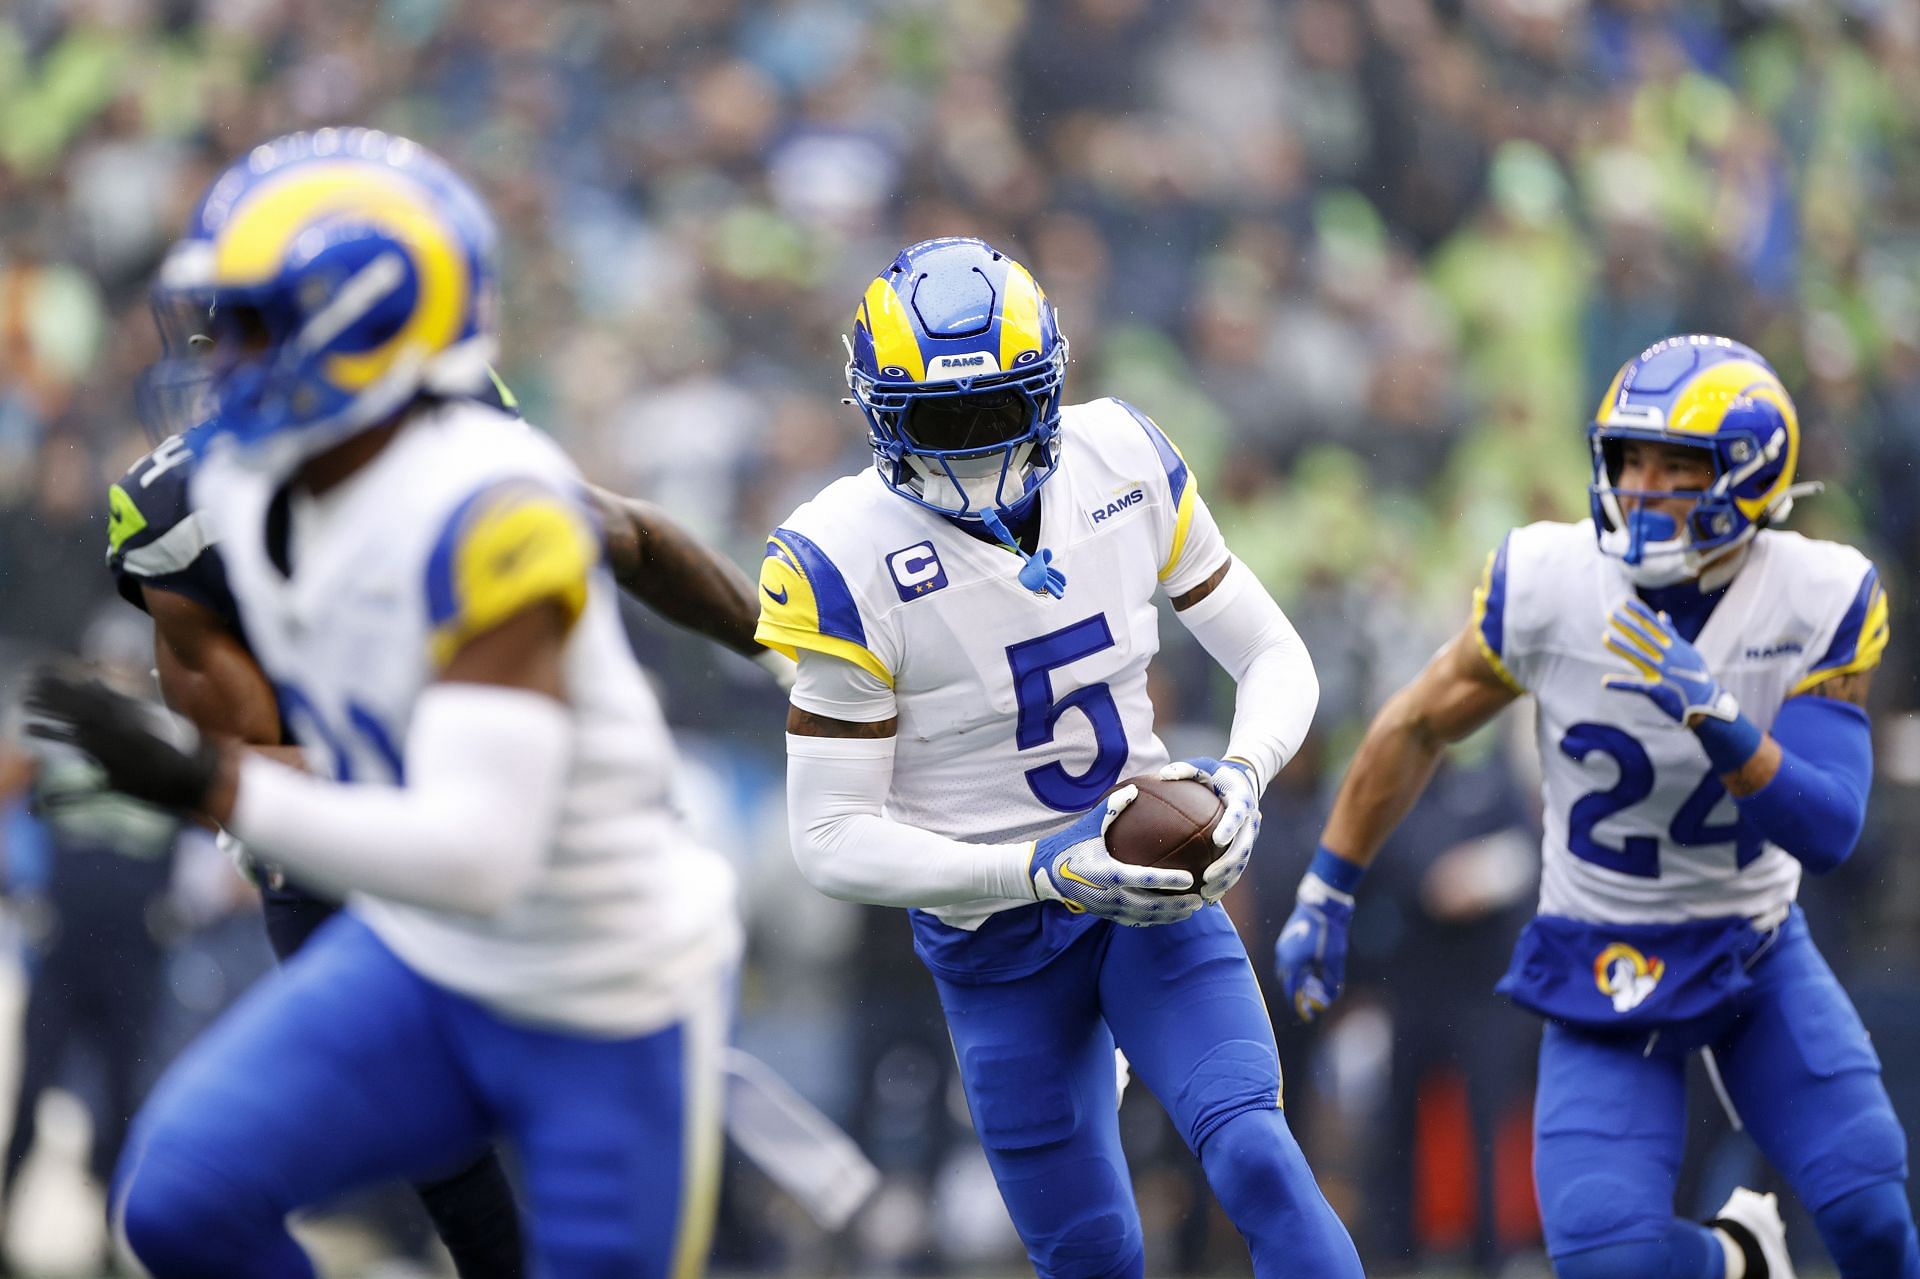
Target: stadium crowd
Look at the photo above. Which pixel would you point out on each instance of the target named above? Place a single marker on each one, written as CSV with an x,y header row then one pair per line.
x,y
1368,261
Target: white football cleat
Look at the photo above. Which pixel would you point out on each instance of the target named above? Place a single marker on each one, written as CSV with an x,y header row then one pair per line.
x,y
1756,1216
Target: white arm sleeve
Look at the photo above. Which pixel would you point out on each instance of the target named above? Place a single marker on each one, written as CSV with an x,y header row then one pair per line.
x,y
846,849
1242,628
467,832
836,688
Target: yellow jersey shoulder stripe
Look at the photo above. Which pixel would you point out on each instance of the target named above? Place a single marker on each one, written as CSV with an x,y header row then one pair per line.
x,y
1858,642
1490,615
805,603
505,548
1181,489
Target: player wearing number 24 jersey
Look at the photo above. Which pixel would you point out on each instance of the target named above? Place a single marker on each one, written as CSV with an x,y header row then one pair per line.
x,y
1699,679
973,618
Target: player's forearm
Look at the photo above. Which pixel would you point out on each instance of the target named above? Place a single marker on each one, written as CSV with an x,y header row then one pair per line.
x,y
207,674
1805,785
676,575
1395,762
1276,690
844,847
468,831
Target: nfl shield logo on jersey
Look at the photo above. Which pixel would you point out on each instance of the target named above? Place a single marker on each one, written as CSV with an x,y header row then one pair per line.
x,y
1626,976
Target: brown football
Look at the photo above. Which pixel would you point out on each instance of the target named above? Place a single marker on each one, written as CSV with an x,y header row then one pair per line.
x,y
1169,824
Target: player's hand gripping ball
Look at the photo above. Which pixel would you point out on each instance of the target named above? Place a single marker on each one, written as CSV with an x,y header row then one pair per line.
x,y
1238,824
1078,868
1169,825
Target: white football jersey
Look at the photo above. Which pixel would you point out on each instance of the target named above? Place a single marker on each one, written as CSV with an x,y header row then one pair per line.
x,y
1016,710
463,518
1638,827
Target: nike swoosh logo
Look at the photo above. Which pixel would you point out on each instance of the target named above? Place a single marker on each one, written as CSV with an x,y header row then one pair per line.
x,y
1299,926
780,598
1688,674
508,560
1067,872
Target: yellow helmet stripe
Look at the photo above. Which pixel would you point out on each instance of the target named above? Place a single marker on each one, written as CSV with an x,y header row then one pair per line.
x,y
894,345
1019,315
1702,404
1775,394
256,240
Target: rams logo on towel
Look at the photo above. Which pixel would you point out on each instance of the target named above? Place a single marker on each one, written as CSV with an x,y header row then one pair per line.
x,y
1626,976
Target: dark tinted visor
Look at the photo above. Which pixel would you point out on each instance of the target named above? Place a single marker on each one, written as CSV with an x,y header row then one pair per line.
x,y
963,423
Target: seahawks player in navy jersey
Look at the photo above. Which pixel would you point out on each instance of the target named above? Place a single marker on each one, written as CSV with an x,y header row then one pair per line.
x,y
164,564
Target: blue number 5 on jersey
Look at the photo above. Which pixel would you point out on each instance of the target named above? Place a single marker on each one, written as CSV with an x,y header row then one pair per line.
x,y
1033,662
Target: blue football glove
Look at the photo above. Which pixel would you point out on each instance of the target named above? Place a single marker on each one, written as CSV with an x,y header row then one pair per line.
x,y
1311,955
1232,780
1669,671
1074,869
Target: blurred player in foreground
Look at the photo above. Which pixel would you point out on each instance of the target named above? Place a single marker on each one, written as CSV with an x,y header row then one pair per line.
x,y
1700,681
973,618
534,948
164,562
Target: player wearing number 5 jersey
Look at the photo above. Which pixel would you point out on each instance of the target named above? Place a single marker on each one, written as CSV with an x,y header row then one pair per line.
x,y
1699,679
973,618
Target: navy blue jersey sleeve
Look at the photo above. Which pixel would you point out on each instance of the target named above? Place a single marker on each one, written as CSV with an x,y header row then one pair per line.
x,y
156,539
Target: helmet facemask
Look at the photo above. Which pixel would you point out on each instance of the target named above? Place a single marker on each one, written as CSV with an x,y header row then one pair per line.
x,y
1656,547
967,448
175,393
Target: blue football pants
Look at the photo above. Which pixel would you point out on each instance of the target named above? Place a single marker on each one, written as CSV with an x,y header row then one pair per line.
x,y
1610,1123
1036,1059
346,1068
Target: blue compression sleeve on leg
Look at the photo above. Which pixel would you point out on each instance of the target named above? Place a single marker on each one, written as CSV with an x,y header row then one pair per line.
x,y
1815,810
1689,1251
1262,1180
1871,1233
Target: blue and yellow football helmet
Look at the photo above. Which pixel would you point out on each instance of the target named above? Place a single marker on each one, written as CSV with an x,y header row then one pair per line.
x,y
1709,393
957,361
324,282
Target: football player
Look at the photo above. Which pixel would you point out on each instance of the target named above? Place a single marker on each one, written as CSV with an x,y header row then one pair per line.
x,y
1699,680
534,947
973,617
164,563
